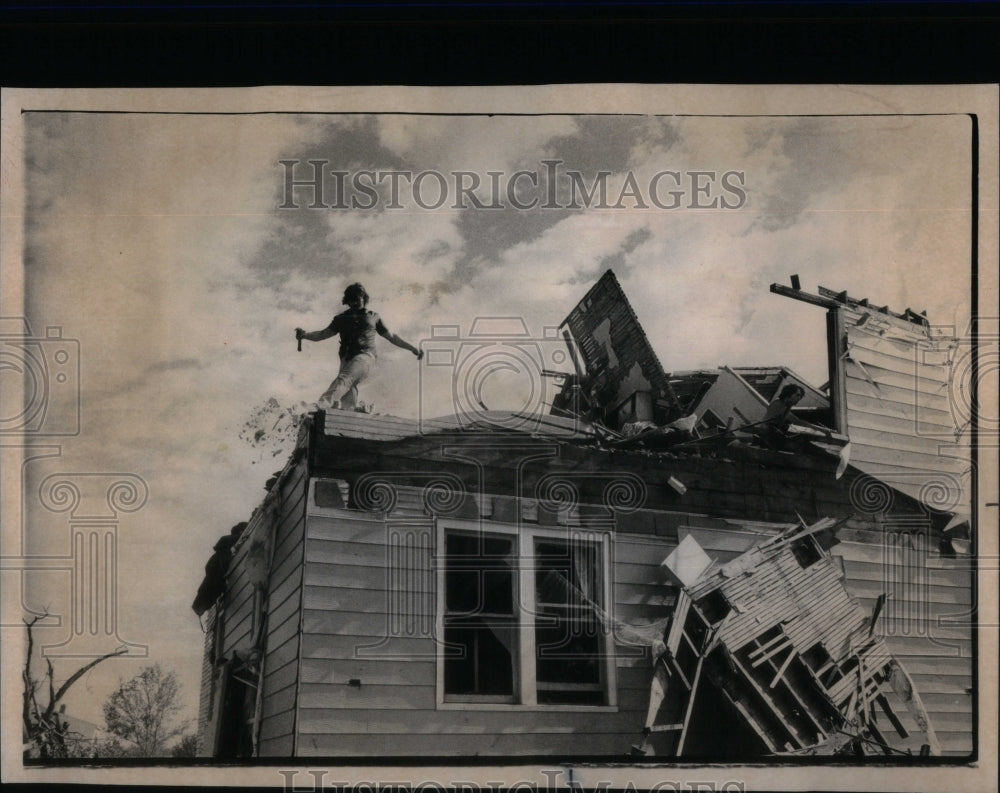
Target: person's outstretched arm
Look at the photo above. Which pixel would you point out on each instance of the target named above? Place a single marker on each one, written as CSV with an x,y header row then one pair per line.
x,y
316,335
391,337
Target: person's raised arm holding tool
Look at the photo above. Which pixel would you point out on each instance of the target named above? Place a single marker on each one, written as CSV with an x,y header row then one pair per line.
x,y
357,328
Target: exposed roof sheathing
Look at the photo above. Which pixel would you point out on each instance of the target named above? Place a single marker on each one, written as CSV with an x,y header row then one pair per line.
x,y
379,427
614,346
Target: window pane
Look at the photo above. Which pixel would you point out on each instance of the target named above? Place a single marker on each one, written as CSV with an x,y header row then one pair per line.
x,y
566,572
479,575
568,634
486,665
568,648
480,624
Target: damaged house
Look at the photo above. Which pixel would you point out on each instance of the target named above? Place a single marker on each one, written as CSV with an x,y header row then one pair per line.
x,y
650,566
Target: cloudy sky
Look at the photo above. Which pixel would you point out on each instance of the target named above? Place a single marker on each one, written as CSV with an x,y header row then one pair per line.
x,y
157,241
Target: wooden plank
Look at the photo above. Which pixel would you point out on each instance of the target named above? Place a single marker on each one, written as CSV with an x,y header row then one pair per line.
x,y
900,427
279,677
942,666
239,590
279,655
362,554
927,461
286,566
652,595
468,722
318,574
936,404
278,702
876,552
236,634
929,419
385,673
931,380
292,583
409,744
897,355
337,622
362,647
276,747
627,573
878,571
290,543
764,697
928,683
836,347
356,528
910,476
715,540
353,424
288,521
277,725
891,715
292,507
286,609
926,646
338,598
947,702
280,633
918,350
875,433
805,297
369,696
900,591
952,722
355,623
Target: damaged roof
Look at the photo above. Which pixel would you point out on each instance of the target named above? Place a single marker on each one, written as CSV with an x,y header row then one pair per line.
x,y
897,392
380,427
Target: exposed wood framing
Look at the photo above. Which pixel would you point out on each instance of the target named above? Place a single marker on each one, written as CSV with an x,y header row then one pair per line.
x,y
802,651
836,351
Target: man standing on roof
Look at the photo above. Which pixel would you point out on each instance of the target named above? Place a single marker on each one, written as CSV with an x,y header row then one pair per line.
x,y
357,328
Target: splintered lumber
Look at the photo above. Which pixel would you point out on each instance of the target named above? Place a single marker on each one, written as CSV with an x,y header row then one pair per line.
x,y
809,661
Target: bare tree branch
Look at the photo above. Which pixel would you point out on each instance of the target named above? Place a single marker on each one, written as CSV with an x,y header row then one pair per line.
x,y
83,670
43,728
52,689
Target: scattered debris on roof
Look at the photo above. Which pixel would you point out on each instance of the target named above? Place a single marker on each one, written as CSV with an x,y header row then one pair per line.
x,y
621,386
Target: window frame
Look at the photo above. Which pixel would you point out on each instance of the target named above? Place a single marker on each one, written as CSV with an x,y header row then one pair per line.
x,y
525,684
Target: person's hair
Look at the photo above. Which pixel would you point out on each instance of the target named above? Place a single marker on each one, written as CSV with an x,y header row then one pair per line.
x,y
790,389
354,291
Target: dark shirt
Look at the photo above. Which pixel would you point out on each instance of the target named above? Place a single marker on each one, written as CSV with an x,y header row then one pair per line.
x,y
357,329
778,414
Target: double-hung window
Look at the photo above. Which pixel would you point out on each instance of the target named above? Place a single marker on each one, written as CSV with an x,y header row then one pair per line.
x,y
521,616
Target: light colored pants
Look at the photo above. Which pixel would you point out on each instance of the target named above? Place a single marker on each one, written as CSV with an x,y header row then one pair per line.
x,y
352,372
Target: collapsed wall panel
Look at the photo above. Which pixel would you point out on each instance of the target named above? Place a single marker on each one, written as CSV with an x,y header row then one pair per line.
x,y
618,356
894,394
900,408
798,662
